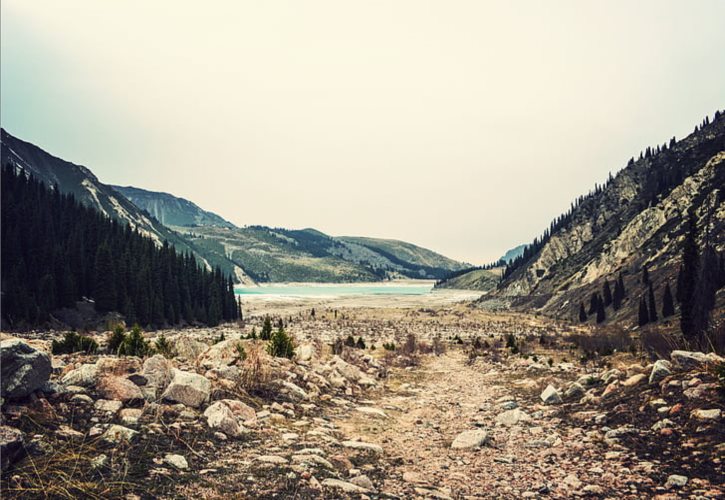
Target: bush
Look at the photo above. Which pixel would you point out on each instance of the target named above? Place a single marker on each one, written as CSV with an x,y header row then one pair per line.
x,y
242,353
116,339
135,344
410,346
73,342
360,344
512,344
254,374
389,346
281,345
164,347
338,346
350,341
266,333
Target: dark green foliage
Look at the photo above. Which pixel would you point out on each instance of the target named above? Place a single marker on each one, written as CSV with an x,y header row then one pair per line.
x,y
618,294
164,347
360,344
511,343
73,342
593,303
116,339
389,346
582,312
687,280
135,344
607,293
266,332
55,251
645,276
668,305
281,345
643,317
652,305
350,341
601,314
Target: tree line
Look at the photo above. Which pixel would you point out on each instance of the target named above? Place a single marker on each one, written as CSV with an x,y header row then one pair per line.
x,y
56,251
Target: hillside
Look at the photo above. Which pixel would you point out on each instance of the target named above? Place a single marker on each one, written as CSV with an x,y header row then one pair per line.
x,y
637,219
87,189
288,255
484,280
171,210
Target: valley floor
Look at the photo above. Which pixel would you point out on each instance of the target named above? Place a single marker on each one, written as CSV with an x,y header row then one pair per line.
x,y
465,422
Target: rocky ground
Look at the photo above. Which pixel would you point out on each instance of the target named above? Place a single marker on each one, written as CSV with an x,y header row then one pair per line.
x,y
452,413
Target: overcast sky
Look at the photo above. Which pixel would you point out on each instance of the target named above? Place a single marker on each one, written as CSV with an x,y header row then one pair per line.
x,y
462,126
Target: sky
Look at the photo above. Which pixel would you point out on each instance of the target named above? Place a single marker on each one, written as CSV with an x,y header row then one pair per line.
x,y
461,126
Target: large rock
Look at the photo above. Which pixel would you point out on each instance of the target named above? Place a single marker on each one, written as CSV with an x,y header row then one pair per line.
x,y
189,349
305,352
660,370
157,371
551,396
221,418
85,375
470,439
513,417
190,389
688,360
23,369
11,446
119,389
222,353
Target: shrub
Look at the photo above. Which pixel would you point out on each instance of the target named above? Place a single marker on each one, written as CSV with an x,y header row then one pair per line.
x,y
116,339
350,341
240,350
135,344
254,374
281,345
73,342
266,333
164,347
512,344
360,344
389,346
410,346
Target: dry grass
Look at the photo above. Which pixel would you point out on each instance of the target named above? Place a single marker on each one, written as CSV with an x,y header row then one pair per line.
x,y
255,374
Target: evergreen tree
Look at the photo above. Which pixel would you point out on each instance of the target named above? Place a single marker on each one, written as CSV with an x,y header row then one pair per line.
x,y
645,276
643,312
104,281
266,332
652,306
607,293
621,286
668,305
617,296
582,313
688,279
601,315
593,303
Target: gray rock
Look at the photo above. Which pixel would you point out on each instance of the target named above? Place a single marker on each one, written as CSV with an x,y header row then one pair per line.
x,y
23,369
346,487
119,433
712,415
551,396
470,439
188,388
221,418
11,446
513,417
359,445
177,461
157,372
676,481
85,375
688,360
660,370
574,391
363,482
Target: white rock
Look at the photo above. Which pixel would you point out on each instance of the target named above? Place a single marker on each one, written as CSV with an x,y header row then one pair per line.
x,y
512,417
221,418
676,481
470,439
551,396
359,445
177,461
188,388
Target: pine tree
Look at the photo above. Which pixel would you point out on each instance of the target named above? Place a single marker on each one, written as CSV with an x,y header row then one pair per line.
x,y
582,313
104,281
688,279
607,293
617,296
621,286
266,332
645,276
668,305
593,303
652,306
601,315
643,312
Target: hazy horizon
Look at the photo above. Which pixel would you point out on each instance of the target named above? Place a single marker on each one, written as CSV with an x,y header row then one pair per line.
x,y
463,127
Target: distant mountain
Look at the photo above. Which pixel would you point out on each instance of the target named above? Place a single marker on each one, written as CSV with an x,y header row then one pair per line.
x,y
288,255
513,254
171,210
86,188
637,219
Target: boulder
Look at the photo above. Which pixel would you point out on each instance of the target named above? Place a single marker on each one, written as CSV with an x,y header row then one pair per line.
x,y
23,369
660,370
513,417
470,439
189,349
221,354
221,418
305,352
190,389
574,391
85,375
11,446
550,396
689,360
119,389
157,372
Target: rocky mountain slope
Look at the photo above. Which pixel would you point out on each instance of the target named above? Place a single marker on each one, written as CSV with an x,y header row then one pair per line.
x,y
171,210
638,218
85,187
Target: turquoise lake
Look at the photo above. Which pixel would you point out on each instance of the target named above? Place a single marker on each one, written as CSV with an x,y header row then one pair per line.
x,y
324,290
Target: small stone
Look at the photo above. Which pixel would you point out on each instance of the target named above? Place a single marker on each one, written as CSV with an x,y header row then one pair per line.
x,y
708,415
177,461
119,433
359,445
660,370
512,417
343,485
550,395
634,380
470,439
676,481
104,405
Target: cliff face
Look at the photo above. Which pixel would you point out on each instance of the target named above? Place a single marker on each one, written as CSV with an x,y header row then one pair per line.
x,y
638,218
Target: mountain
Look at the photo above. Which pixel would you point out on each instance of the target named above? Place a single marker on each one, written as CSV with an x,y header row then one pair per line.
x,y
296,255
636,220
87,189
171,210
513,254
484,279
